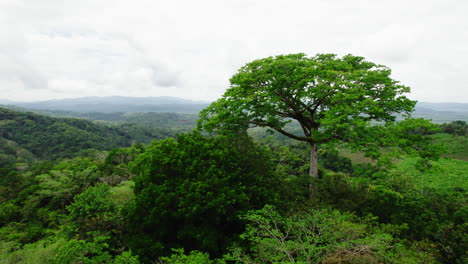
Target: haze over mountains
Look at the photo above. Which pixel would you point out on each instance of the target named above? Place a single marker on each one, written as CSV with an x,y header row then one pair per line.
x,y
442,112
109,104
438,112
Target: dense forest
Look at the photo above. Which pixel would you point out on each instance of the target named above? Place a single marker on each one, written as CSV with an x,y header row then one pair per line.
x,y
75,191
52,138
303,160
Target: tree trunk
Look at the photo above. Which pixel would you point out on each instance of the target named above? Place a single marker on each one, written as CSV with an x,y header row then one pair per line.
x,y
313,171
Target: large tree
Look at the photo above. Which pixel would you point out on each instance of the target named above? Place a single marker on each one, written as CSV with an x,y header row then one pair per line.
x,y
332,98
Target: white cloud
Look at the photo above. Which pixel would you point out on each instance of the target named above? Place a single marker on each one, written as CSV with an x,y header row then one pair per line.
x,y
64,48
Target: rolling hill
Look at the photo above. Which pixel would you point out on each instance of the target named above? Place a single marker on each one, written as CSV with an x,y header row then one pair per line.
x,y
50,138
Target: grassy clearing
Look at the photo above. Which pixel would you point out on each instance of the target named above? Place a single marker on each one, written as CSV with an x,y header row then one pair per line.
x,y
456,146
356,157
446,173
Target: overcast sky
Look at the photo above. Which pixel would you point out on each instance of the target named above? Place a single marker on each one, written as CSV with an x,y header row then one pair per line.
x,y
72,48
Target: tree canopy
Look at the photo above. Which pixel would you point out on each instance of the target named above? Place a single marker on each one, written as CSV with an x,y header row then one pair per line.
x,y
332,99
190,190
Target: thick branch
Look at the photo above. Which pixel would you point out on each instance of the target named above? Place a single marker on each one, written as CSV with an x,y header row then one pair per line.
x,y
267,124
302,121
286,114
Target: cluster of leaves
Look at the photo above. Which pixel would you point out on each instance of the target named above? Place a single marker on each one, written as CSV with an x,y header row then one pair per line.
x,y
190,190
457,128
320,236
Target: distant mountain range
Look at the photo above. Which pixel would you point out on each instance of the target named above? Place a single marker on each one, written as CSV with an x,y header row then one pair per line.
x,y
442,112
438,112
110,104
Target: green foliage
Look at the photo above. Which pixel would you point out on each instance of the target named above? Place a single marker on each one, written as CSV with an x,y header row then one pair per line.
x,y
444,216
101,209
122,194
43,251
194,257
362,196
445,174
45,190
52,138
456,128
80,251
190,190
333,99
290,157
340,191
9,212
330,159
56,250
10,183
126,258
319,236
92,210
456,146
336,94
11,152
411,134
395,198
143,127
67,178
116,164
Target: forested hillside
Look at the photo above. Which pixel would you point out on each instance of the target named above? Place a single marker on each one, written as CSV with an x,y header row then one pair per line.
x,y
278,170
88,208
51,138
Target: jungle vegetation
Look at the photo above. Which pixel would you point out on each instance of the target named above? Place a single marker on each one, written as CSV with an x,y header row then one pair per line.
x,y
80,191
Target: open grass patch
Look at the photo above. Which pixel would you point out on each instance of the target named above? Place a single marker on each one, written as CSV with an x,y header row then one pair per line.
x,y
456,146
446,173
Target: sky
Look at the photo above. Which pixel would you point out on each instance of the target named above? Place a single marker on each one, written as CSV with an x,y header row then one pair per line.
x,y
52,49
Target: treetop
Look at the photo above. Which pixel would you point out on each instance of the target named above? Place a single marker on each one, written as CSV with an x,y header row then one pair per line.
x,y
335,94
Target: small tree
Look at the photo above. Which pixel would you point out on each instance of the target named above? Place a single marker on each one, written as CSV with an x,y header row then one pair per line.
x,y
333,99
